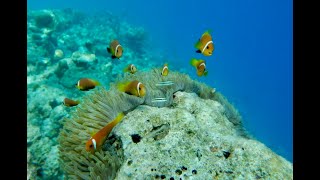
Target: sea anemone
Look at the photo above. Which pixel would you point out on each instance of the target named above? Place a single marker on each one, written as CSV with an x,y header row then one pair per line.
x,y
101,106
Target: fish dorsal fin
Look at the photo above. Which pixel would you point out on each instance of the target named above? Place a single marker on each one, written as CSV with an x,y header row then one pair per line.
x,y
194,62
208,32
93,133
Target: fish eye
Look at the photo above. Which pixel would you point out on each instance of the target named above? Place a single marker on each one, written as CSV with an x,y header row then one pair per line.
x,y
90,145
207,47
139,88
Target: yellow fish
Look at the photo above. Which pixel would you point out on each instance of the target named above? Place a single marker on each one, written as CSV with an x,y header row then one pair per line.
x,y
85,84
135,88
115,49
205,44
97,140
200,65
131,68
165,70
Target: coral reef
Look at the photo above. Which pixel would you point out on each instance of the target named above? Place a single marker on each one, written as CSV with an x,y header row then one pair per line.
x,y
31,169
62,47
199,130
178,117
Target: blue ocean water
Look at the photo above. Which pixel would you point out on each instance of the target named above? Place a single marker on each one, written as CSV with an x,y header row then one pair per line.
x,y
252,61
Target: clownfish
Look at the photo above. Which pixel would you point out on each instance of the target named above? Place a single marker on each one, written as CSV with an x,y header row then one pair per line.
x,y
131,68
135,88
165,70
200,65
205,44
69,102
97,140
85,84
115,49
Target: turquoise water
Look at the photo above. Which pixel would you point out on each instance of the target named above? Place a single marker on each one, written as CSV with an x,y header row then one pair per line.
x,y
252,61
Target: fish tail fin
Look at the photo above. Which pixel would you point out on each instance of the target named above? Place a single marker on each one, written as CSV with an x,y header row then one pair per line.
x,y
205,73
119,118
97,83
125,69
122,86
197,44
194,62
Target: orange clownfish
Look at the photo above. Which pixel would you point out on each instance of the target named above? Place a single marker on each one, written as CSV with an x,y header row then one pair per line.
x,y
165,70
133,88
131,68
200,65
115,49
205,44
97,140
85,84
69,102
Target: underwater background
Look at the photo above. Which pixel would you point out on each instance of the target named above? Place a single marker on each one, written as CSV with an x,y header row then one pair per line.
x,y
251,64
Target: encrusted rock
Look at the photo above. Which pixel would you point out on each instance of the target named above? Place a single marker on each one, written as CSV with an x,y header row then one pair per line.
x,y
197,141
83,59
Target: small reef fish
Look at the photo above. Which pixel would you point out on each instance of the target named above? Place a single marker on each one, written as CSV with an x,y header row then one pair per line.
x,y
205,44
135,88
165,83
131,68
97,140
85,84
160,99
165,70
115,49
200,65
69,102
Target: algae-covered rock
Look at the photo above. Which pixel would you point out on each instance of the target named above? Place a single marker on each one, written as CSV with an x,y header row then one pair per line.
x,y
31,169
193,140
83,59
58,54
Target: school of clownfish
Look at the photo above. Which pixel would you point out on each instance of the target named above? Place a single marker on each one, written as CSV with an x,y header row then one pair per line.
x,y
204,46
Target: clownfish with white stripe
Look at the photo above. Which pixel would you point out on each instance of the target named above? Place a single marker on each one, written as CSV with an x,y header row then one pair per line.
x,y
135,88
115,49
165,70
200,65
85,84
131,68
69,102
97,140
205,44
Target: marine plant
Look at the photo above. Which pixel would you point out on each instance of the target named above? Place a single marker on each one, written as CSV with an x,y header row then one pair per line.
x,y
101,106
